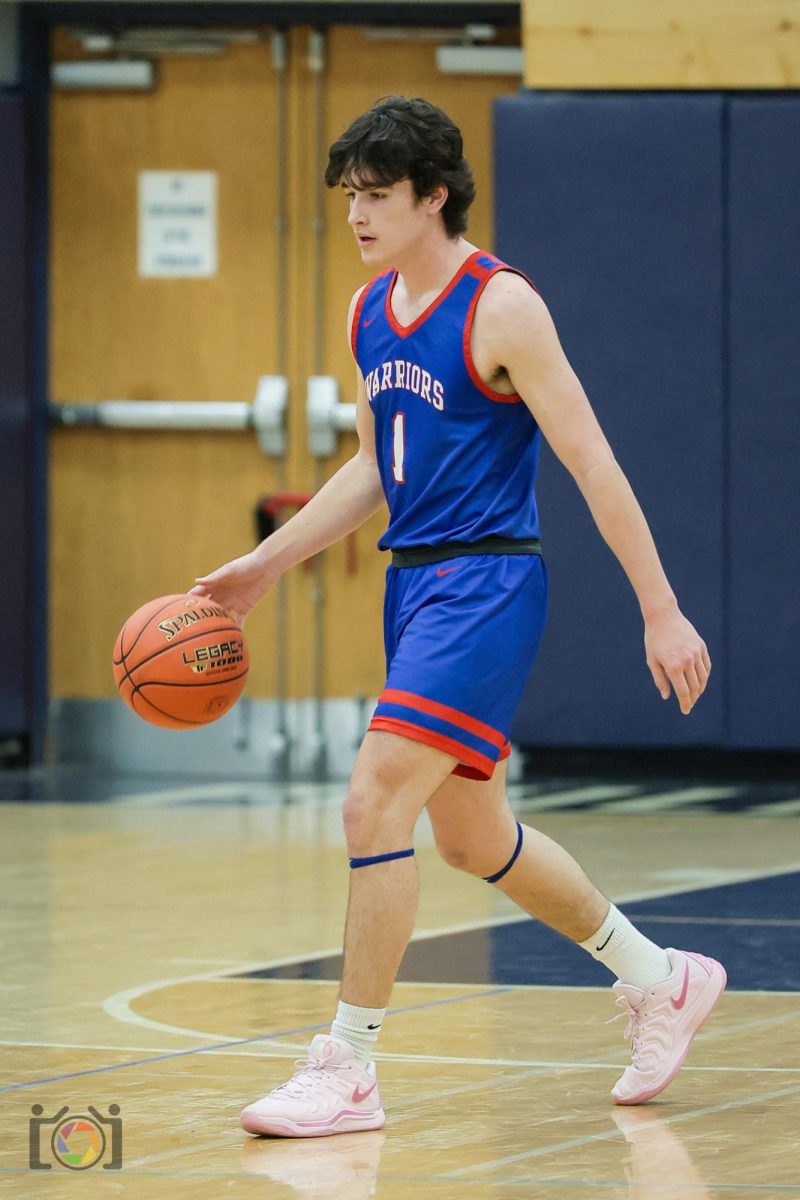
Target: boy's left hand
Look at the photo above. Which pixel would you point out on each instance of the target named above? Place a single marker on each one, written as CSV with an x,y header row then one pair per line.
x,y
677,656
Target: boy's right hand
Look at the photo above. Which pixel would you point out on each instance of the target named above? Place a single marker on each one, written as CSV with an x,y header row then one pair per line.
x,y
237,586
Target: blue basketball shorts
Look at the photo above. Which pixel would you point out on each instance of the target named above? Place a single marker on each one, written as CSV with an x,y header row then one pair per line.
x,y
461,637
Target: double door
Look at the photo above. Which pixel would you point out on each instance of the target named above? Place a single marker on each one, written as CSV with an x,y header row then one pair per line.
x,y
137,514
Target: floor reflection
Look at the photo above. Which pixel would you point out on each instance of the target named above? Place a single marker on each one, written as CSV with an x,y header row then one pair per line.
x,y
657,1166
344,1167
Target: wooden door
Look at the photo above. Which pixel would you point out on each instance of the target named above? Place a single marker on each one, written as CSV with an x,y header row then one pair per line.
x,y
138,514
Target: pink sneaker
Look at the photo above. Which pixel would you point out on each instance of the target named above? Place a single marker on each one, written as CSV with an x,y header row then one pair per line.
x,y
329,1093
662,1022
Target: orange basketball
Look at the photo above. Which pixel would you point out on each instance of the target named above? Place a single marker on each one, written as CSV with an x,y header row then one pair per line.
x,y
181,661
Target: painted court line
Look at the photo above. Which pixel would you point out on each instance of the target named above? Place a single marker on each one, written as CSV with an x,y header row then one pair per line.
x,y
209,791
388,1057
416,1182
334,983
573,1143
780,808
713,1033
219,1142
220,1045
572,1065
254,791
643,918
119,1005
606,1061
410,1111
90,1046
572,797
440,1094
656,801
600,990
622,1187
668,1191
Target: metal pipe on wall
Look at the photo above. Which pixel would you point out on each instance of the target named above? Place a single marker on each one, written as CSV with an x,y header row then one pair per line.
x,y
316,64
281,743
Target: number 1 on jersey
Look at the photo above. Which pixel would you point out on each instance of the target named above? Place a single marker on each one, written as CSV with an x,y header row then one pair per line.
x,y
399,428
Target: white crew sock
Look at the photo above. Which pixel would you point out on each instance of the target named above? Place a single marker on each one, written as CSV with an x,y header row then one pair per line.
x,y
358,1026
632,957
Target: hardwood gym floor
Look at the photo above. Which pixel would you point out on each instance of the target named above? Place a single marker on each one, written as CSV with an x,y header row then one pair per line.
x,y
170,950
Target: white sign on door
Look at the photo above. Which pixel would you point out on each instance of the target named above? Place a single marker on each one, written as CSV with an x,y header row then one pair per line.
x,y
177,224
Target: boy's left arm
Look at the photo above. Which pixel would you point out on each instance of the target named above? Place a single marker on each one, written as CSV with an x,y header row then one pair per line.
x,y
517,333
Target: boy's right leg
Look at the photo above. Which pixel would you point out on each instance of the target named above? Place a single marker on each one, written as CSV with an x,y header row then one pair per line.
x,y
334,1092
393,779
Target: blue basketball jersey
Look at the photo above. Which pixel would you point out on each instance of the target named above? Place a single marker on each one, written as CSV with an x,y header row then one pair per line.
x,y
457,459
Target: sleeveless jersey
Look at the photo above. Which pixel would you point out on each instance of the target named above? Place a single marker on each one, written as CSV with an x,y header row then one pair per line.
x,y
457,460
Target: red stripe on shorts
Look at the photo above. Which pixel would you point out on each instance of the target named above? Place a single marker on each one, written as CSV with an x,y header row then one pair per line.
x,y
445,713
482,765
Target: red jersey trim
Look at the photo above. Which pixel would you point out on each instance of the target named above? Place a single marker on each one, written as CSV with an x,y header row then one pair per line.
x,y
404,331
485,276
357,313
472,759
444,713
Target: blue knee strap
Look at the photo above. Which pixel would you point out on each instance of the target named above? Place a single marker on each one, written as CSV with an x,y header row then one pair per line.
x,y
511,861
379,858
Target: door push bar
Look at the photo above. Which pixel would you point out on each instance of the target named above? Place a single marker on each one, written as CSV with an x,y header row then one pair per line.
x,y
325,416
267,414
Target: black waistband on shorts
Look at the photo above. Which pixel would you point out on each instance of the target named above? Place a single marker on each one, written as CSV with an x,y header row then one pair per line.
x,y
419,556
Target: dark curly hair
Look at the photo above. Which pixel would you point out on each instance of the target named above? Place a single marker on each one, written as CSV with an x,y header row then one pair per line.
x,y
399,139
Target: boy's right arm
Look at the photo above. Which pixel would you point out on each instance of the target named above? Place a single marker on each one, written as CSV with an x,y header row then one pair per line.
x,y
346,501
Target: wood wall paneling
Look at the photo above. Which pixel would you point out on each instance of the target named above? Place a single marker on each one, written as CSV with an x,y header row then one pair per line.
x,y
135,515
670,44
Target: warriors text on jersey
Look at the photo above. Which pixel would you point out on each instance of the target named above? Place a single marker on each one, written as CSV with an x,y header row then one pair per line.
x,y
457,459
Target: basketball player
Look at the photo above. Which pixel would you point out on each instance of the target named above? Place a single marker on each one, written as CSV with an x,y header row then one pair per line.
x,y
459,368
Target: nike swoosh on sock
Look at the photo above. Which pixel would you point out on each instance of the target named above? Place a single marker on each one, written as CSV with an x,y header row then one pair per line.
x,y
605,943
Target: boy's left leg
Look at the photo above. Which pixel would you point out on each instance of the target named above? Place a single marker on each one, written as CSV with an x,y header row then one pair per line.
x,y
666,994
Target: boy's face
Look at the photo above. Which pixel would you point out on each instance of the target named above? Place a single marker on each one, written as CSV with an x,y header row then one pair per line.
x,y
390,220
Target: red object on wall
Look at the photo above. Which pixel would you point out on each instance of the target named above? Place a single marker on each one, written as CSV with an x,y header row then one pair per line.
x,y
270,509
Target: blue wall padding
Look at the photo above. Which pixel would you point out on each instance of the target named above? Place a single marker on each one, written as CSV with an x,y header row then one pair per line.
x,y
612,205
15,455
764,199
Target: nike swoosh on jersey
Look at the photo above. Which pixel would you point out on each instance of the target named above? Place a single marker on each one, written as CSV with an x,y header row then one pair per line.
x,y
358,1095
440,572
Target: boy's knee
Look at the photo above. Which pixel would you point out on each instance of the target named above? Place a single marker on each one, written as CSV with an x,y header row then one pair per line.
x,y
360,819
377,820
388,790
461,856
485,856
